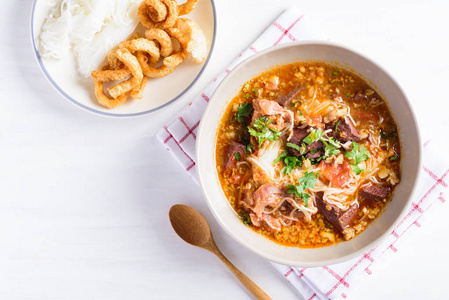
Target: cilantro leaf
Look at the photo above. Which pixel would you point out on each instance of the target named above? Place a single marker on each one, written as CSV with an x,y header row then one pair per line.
x,y
245,217
294,146
357,170
291,162
358,154
244,138
307,181
244,110
262,132
281,157
249,148
237,156
314,136
336,125
330,149
394,157
334,142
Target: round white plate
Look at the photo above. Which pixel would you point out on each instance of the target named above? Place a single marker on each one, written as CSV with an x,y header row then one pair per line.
x,y
158,93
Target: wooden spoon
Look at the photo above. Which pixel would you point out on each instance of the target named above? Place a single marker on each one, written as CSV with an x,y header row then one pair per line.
x,y
191,226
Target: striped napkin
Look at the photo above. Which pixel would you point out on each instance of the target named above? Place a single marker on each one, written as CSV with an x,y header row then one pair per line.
x,y
333,281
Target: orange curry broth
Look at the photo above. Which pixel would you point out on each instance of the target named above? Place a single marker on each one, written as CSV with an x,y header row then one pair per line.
x,y
329,82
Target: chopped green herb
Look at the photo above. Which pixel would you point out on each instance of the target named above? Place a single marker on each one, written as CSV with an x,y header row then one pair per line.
x,y
280,157
335,73
314,136
246,87
294,146
237,156
247,96
334,142
244,110
383,134
301,113
336,125
357,170
331,147
246,141
307,181
245,217
394,157
314,161
256,91
291,162
358,154
262,132
249,148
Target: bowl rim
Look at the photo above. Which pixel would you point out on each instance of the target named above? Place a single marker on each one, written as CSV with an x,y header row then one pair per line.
x,y
273,258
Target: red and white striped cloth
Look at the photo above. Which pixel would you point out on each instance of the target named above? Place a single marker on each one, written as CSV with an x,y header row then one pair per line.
x,y
334,281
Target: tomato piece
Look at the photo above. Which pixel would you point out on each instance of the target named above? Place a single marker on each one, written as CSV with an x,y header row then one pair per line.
x,y
338,175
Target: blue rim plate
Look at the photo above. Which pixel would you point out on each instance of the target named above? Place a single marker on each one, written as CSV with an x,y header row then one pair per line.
x,y
133,108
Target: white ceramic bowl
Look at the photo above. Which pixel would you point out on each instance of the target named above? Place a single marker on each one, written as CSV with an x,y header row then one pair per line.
x,y
379,79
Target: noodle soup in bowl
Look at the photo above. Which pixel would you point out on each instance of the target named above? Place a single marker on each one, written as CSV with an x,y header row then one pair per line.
x,y
308,153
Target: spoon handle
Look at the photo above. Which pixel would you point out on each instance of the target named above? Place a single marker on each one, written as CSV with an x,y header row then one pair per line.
x,y
248,283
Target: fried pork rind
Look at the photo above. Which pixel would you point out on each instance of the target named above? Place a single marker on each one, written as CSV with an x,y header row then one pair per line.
x,y
182,38
102,75
143,45
156,10
187,7
197,46
109,75
137,92
131,63
113,61
134,61
146,12
163,39
105,100
169,63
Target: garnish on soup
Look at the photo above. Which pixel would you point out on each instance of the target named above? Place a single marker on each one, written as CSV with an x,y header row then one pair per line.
x,y
308,154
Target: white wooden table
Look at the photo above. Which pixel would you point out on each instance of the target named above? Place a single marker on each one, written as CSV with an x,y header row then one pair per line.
x,y
84,199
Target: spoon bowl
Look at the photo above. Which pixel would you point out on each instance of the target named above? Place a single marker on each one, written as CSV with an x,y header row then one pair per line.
x,y
197,232
193,228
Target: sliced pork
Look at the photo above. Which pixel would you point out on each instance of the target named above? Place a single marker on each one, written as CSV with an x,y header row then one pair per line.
x,y
267,195
285,100
235,150
312,151
263,107
267,222
346,131
340,220
375,193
